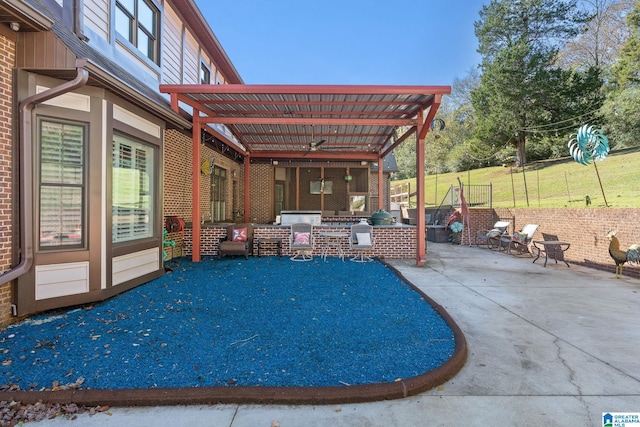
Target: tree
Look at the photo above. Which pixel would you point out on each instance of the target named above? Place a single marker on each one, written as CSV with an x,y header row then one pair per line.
x,y
622,107
599,43
405,157
519,41
445,150
626,72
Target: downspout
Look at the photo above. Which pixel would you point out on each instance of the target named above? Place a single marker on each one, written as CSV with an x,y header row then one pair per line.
x,y
26,107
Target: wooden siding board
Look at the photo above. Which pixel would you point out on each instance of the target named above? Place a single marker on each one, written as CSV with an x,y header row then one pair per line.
x,y
191,72
171,47
96,17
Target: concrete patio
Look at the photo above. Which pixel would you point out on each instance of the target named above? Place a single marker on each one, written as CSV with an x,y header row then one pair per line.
x,y
547,346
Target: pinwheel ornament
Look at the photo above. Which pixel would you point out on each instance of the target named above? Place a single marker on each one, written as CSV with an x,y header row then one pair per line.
x,y
587,145
456,227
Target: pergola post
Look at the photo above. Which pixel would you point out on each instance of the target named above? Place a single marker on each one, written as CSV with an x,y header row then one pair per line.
x,y
422,130
195,205
247,189
421,245
380,184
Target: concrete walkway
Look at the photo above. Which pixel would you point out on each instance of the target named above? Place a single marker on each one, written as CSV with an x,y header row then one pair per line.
x,y
547,346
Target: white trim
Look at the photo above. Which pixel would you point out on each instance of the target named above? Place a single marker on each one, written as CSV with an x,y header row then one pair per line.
x,y
73,101
127,117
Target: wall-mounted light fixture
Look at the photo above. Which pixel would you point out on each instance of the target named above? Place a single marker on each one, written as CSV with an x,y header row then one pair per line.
x,y
363,163
15,26
275,163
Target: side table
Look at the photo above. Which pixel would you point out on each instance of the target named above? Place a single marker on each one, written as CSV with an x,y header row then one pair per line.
x,y
333,239
553,249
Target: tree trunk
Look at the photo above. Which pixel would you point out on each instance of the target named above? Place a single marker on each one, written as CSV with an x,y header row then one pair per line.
x,y
522,152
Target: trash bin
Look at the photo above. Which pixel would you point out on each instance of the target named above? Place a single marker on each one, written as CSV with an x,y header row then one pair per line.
x,y
437,233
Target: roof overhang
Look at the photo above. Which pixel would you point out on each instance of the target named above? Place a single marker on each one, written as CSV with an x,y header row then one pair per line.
x,y
19,12
328,122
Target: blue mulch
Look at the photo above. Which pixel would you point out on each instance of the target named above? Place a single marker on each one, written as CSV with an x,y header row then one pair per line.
x,y
261,321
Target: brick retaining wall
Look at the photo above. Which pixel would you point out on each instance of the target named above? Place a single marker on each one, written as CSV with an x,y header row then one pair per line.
x,y
585,228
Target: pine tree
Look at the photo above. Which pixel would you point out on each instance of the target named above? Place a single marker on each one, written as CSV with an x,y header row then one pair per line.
x,y
519,41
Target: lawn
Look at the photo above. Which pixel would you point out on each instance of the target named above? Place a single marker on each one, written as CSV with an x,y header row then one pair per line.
x,y
549,184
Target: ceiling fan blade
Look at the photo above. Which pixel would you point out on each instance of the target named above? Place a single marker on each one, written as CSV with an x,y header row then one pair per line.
x,y
319,143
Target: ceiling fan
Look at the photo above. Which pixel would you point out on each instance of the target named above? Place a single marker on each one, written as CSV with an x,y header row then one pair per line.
x,y
315,146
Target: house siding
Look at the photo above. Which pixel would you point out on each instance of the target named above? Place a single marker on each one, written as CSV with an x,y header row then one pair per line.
x,y
171,47
191,60
96,17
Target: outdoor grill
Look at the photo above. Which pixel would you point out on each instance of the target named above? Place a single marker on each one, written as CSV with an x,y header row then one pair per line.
x,y
291,217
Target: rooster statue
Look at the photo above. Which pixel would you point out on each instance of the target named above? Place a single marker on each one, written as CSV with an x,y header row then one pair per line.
x,y
619,256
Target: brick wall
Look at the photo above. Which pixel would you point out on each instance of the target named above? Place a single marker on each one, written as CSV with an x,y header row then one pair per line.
x,y
261,195
178,178
390,242
7,62
586,229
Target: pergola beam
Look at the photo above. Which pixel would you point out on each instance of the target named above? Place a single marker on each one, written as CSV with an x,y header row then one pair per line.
x,y
307,89
315,155
306,121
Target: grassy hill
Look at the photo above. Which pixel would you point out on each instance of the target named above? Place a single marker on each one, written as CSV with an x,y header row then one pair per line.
x,y
549,183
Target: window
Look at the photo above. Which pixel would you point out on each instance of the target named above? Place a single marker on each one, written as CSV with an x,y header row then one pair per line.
x,y
205,74
218,194
62,184
132,190
137,22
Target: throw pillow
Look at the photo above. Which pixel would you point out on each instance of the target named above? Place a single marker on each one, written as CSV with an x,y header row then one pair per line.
x,y
519,237
301,238
364,239
494,233
239,235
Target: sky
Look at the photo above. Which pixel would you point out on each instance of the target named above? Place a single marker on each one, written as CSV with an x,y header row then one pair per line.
x,y
354,42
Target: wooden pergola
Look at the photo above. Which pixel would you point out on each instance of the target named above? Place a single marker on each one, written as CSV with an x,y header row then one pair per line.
x,y
305,122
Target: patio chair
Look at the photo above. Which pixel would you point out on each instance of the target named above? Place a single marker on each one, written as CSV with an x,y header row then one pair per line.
x,y
520,240
492,237
301,241
238,241
361,242
406,216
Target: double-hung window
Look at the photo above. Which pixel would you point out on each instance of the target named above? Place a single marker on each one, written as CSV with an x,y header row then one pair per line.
x,y
205,74
62,184
133,189
137,22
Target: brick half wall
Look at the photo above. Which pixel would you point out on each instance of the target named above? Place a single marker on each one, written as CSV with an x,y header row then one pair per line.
x,y
586,229
390,242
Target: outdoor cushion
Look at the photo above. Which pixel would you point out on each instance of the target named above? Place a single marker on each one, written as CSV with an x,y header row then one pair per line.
x,y
519,237
239,235
494,232
363,239
301,238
